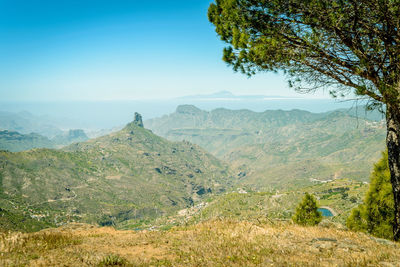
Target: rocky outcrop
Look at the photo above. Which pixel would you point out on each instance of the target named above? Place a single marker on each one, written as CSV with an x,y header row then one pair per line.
x,y
77,134
138,120
72,136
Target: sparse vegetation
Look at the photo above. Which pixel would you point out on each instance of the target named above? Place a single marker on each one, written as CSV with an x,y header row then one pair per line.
x,y
24,248
211,243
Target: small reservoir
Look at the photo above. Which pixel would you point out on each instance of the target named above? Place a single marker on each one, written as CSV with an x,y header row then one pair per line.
x,y
325,212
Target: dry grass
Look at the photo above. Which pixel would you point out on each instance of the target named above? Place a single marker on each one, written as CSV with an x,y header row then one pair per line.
x,y
212,243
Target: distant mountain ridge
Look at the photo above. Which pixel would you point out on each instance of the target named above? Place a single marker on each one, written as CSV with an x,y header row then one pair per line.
x,y
14,141
23,131
26,123
278,148
189,116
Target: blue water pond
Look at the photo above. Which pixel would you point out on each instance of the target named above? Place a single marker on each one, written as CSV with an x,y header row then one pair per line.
x,y
325,212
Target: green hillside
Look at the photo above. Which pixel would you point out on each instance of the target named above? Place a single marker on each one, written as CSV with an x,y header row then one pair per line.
x,y
128,176
280,149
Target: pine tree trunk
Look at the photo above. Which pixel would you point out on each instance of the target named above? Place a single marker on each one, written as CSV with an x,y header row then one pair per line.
x,y
393,145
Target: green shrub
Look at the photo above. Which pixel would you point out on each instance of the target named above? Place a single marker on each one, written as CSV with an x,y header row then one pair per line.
x,y
307,212
376,214
113,260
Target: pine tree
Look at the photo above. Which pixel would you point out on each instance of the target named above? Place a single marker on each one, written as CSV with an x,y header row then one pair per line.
x,y
307,212
348,47
376,214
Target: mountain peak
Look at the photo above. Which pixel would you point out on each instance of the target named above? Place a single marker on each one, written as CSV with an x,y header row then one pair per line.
x,y
137,122
188,109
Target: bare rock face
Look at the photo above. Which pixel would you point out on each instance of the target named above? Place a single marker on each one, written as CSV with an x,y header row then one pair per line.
x,y
77,134
138,120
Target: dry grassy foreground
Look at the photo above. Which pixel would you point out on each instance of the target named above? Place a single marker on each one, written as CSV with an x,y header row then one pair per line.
x,y
212,243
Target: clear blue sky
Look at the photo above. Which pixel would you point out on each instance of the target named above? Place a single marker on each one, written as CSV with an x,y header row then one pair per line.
x,y
108,50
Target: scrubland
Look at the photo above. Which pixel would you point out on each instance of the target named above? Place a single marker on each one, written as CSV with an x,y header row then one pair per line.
x,y
210,243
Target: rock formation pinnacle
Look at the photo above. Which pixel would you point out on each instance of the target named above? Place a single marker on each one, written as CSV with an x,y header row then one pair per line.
x,y
138,120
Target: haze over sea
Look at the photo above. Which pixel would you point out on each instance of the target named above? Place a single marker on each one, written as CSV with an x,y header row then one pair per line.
x,y
108,114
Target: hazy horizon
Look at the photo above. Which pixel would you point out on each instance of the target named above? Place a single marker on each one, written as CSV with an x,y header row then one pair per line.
x,y
98,51
95,115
